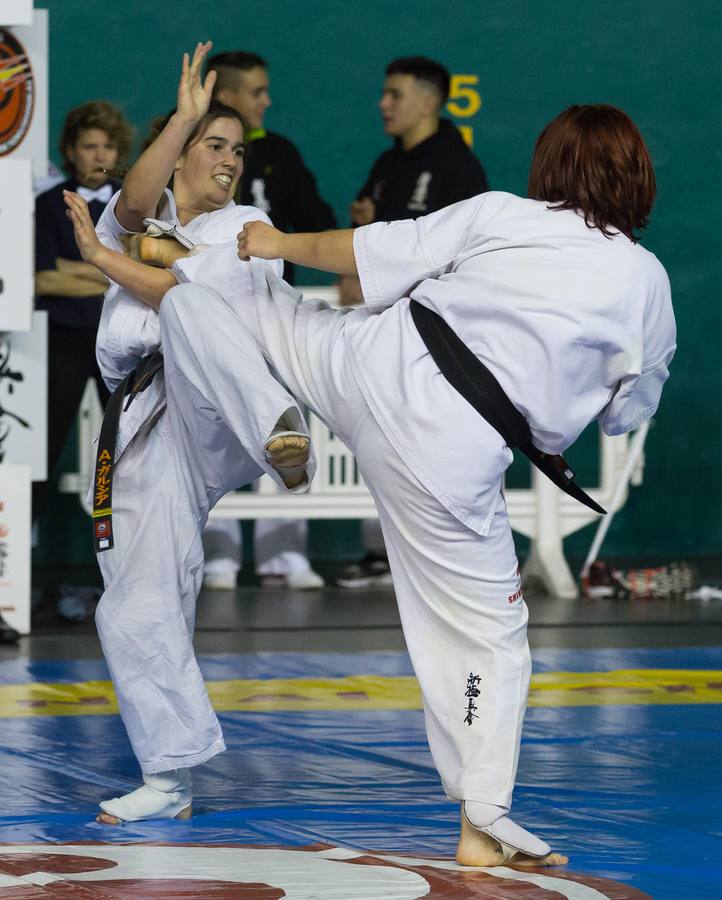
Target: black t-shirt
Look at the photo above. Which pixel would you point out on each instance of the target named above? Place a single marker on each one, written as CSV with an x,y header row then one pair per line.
x,y
406,184
54,238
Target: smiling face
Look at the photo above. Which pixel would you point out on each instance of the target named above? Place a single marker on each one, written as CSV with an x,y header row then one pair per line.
x,y
92,150
207,174
250,97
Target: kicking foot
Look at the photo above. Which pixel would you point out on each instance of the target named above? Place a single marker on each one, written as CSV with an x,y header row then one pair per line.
x,y
479,847
166,795
288,453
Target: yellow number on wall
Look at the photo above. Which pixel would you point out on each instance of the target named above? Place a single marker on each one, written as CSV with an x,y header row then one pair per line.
x,y
462,89
467,132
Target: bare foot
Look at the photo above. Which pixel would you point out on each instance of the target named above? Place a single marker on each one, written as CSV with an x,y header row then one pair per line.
x,y
104,818
478,849
288,454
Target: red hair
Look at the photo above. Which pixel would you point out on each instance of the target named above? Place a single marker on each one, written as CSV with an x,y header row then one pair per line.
x,y
593,159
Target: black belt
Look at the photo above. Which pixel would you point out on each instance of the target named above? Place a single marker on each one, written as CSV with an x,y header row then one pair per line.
x,y
470,377
133,383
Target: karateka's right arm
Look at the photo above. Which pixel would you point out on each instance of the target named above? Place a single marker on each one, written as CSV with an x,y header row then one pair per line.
x,y
147,283
145,182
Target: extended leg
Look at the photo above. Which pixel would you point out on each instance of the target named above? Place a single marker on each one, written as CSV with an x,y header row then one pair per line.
x,y
464,621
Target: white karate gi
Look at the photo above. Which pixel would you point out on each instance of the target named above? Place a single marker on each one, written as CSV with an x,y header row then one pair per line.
x,y
165,481
575,326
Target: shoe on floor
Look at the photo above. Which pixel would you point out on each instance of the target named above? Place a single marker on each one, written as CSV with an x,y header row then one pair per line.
x,y
371,571
219,581
306,580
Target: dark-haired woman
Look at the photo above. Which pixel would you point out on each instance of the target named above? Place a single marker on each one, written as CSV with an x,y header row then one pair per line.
x,y
554,294
166,477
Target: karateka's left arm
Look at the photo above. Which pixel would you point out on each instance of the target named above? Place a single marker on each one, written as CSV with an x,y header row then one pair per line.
x,y
148,283
329,251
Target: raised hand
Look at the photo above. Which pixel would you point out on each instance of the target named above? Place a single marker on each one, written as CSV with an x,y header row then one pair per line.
x,y
85,236
261,240
194,96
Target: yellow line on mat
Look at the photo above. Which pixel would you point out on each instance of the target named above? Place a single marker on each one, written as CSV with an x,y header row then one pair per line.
x,y
622,687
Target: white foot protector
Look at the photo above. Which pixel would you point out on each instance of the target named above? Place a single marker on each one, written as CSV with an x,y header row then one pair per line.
x,y
512,837
166,795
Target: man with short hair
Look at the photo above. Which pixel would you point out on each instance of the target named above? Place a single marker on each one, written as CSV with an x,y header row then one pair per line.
x,y
429,167
276,181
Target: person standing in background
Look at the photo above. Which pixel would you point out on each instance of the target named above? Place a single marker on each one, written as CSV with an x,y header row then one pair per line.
x,y
277,182
95,137
428,167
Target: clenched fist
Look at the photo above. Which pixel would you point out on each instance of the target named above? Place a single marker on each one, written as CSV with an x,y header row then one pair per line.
x,y
260,240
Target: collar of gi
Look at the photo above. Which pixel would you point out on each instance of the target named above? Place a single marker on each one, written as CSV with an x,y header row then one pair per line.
x,y
256,134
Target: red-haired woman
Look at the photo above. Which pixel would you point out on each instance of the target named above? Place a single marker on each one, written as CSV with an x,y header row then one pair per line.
x,y
573,318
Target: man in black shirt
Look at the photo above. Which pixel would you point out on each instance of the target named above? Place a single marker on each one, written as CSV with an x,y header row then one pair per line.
x,y
428,167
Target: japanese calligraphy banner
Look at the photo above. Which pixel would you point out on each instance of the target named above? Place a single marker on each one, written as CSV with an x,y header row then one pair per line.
x,y
15,546
16,245
16,12
24,397
24,92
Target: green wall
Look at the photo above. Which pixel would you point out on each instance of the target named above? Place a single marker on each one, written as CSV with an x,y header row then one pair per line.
x,y
660,61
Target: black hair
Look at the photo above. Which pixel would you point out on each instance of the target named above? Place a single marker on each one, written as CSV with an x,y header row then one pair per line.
x,y
424,69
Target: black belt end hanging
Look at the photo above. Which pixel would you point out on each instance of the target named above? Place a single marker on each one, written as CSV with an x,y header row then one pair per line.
x,y
477,385
134,383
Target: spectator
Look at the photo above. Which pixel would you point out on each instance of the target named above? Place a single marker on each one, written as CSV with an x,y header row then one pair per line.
x,y
428,167
276,181
95,137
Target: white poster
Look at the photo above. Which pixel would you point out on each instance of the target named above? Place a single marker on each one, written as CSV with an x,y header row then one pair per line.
x,y
24,92
16,245
16,12
24,397
15,546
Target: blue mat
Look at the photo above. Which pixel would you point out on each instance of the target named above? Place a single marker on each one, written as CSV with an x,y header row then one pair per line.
x,y
631,793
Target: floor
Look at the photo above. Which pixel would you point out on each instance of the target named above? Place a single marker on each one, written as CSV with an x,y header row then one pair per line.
x,y
327,789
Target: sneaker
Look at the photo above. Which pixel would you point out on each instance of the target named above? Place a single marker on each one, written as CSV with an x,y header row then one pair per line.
x,y
305,580
219,581
371,571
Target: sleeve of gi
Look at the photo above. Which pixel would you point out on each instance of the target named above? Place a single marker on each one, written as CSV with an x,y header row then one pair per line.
x,y
109,229
393,257
638,394
128,329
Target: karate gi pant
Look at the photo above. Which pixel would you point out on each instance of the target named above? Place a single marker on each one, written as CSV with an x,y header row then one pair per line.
x,y
205,444
458,593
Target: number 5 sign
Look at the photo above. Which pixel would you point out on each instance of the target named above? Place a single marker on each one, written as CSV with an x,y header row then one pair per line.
x,y
464,102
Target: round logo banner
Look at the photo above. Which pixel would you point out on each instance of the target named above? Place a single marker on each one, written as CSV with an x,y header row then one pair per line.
x,y
17,93
319,872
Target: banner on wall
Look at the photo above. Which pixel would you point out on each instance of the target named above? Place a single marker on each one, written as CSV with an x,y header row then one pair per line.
x,y
24,397
24,92
16,12
16,245
15,546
